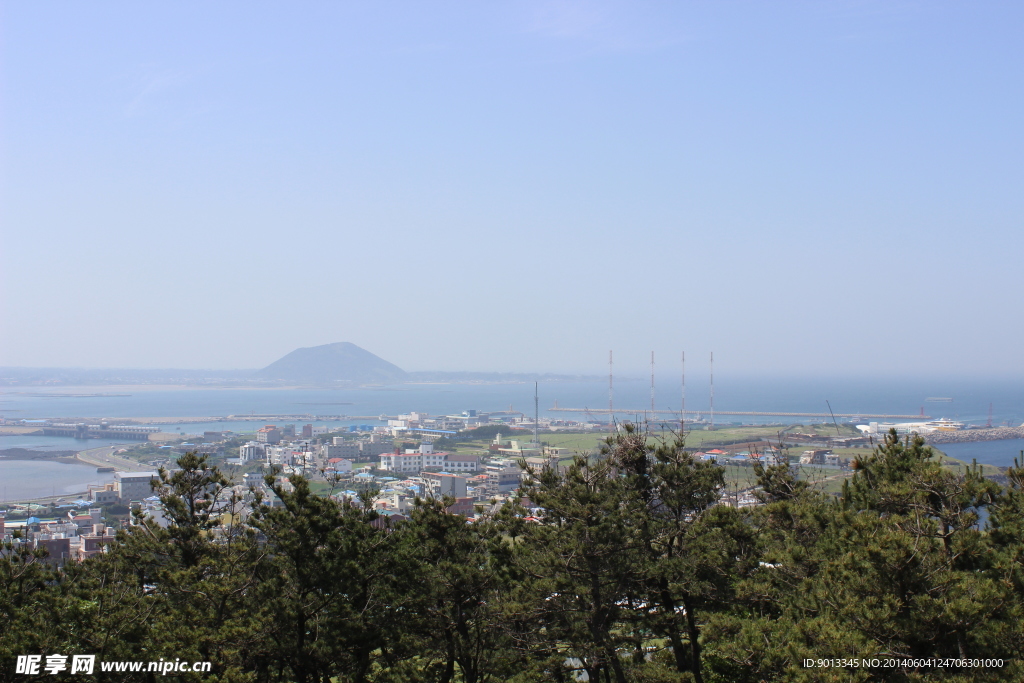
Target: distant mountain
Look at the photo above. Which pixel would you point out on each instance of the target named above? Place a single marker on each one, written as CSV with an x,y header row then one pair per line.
x,y
330,363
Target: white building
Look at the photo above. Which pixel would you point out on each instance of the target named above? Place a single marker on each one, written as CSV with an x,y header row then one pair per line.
x,y
461,464
340,465
902,428
517,450
290,455
251,451
134,485
425,458
401,462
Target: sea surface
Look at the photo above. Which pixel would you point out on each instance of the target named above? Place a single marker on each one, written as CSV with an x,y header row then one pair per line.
x,y
998,453
969,402
24,479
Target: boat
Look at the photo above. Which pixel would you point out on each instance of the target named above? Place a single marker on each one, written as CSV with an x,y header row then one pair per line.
x,y
938,399
944,424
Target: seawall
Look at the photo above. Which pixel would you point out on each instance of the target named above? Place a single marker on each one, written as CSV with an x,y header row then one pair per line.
x,y
969,435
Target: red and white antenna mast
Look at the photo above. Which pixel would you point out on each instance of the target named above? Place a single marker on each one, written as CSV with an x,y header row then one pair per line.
x,y
611,394
682,402
652,385
712,390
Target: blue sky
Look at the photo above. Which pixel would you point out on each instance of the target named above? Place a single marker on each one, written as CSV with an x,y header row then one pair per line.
x,y
801,187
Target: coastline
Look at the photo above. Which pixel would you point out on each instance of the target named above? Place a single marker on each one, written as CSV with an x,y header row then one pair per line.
x,y
26,454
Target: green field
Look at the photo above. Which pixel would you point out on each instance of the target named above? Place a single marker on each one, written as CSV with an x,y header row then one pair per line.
x,y
323,488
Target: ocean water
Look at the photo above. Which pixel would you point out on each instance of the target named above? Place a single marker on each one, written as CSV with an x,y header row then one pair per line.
x,y
970,399
23,479
998,453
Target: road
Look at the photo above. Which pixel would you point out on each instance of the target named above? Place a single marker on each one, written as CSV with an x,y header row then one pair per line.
x,y
104,457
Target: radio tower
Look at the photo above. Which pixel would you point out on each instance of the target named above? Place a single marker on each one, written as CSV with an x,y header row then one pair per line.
x,y
989,415
682,403
652,385
712,391
611,393
536,414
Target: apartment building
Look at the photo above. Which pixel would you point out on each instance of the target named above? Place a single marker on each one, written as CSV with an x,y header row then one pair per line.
x,y
341,449
251,451
134,485
502,477
443,484
375,447
425,458
464,464
107,493
402,462
269,434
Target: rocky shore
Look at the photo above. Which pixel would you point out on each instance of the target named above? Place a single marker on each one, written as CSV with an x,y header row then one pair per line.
x,y
969,435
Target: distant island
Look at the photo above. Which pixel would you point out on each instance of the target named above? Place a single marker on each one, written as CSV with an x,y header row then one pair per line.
x,y
340,363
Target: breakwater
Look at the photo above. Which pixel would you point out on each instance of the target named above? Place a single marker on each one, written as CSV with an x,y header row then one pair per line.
x,y
971,435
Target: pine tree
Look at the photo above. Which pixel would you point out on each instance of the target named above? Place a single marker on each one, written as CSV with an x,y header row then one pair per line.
x,y
327,602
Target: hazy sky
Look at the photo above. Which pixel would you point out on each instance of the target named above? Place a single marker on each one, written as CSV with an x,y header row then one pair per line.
x,y
807,187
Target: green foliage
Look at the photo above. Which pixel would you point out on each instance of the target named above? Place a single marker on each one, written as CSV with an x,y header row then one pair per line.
x,y
25,600
490,431
327,600
778,482
457,601
635,572
898,567
483,433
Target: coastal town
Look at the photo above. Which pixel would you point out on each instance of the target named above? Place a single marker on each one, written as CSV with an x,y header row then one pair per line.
x,y
475,460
